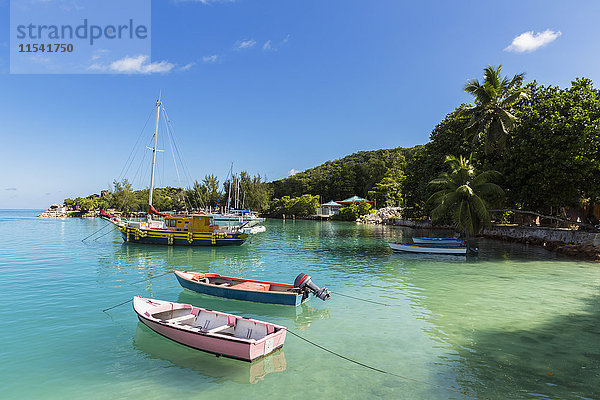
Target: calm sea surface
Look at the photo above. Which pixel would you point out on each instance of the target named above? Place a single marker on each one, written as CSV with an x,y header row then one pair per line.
x,y
516,322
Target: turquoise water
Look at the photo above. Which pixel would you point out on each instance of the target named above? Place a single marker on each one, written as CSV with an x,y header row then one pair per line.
x,y
515,322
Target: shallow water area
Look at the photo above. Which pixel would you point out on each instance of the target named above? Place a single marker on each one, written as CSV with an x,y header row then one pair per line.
x,y
516,321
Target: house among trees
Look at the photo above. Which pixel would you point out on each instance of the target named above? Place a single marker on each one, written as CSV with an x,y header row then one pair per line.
x,y
57,208
331,208
354,199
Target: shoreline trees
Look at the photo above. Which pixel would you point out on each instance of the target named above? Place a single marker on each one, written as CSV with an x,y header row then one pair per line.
x,y
464,195
549,160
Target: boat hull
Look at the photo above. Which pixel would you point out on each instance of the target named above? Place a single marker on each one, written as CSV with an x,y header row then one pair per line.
x,y
220,345
164,237
236,220
437,241
428,249
240,294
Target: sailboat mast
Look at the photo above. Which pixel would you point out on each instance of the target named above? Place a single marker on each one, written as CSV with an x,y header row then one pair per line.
x,y
237,195
158,104
229,194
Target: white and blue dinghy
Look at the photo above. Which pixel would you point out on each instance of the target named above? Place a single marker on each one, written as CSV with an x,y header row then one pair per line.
x,y
420,248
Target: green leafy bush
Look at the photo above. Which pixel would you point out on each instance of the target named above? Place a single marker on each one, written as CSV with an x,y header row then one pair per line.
x,y
353,212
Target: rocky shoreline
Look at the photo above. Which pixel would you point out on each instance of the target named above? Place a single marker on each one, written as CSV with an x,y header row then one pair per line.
x,y
68,214
574,243
582,245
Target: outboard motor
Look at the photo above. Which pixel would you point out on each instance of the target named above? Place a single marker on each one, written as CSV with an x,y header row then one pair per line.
x,y
304,283
473,250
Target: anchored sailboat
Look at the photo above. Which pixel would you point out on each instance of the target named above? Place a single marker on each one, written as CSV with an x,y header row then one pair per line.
x,y
173,229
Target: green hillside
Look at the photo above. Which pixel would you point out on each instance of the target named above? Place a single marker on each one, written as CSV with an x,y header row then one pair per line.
x,y
377,175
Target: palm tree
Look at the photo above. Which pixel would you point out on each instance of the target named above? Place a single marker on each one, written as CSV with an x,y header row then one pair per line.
x,y
491,117
465,195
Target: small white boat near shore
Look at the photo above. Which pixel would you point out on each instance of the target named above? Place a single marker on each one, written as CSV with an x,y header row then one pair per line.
x,y
438,241
413,248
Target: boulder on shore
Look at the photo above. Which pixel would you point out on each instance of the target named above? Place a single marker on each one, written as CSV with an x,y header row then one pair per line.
x,y
379,216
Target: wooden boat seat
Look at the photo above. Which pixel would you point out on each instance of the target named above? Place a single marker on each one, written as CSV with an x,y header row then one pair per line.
x,y
207,320
249,330
220,328
255,286
182,319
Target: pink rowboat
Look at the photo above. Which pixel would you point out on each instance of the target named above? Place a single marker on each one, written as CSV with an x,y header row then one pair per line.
x,y
210,331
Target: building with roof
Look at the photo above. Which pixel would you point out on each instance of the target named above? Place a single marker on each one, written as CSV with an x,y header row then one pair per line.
x,y
333,207
328,209
353,199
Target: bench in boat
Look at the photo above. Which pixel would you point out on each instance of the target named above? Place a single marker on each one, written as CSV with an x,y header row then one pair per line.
x,y
208,330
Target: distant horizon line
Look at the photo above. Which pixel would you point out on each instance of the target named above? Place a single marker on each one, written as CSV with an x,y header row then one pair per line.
x,y
20,209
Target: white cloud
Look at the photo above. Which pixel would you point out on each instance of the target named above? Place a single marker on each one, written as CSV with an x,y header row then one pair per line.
x,y
159,67
529,41
270,46
293,172
187,66
99,53
97,67
244,44
139,65
210,59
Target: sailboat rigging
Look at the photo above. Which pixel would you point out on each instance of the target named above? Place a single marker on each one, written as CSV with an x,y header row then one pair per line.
x,y
176,229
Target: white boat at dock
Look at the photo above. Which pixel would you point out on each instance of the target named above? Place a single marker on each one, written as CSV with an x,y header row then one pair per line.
x,y
438,241
413,248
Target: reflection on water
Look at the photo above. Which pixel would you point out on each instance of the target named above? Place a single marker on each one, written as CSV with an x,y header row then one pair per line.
x,y
220,369
515,322
557,359
302,316
178,256
410,258
518,327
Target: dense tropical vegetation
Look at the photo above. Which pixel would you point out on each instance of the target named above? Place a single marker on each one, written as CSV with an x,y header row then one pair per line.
x,y
464,195
250,192
551,158
491,116
375,174
301,206
543,140
353,212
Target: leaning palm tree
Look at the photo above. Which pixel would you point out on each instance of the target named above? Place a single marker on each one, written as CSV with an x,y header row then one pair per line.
x,y
491,117
465,195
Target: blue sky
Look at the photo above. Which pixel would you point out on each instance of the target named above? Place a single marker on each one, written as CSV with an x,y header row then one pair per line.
x,y
276,86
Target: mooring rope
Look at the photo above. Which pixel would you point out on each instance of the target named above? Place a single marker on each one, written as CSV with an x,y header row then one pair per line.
x,y
104,234
87,237
133,283
381,370
148,279
358,298
120,304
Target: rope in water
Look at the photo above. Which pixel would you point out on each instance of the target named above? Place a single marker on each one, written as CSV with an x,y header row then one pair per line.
x,y
148,279
120,304
133,283
104,234
331,351
87,237
358,298
380,370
